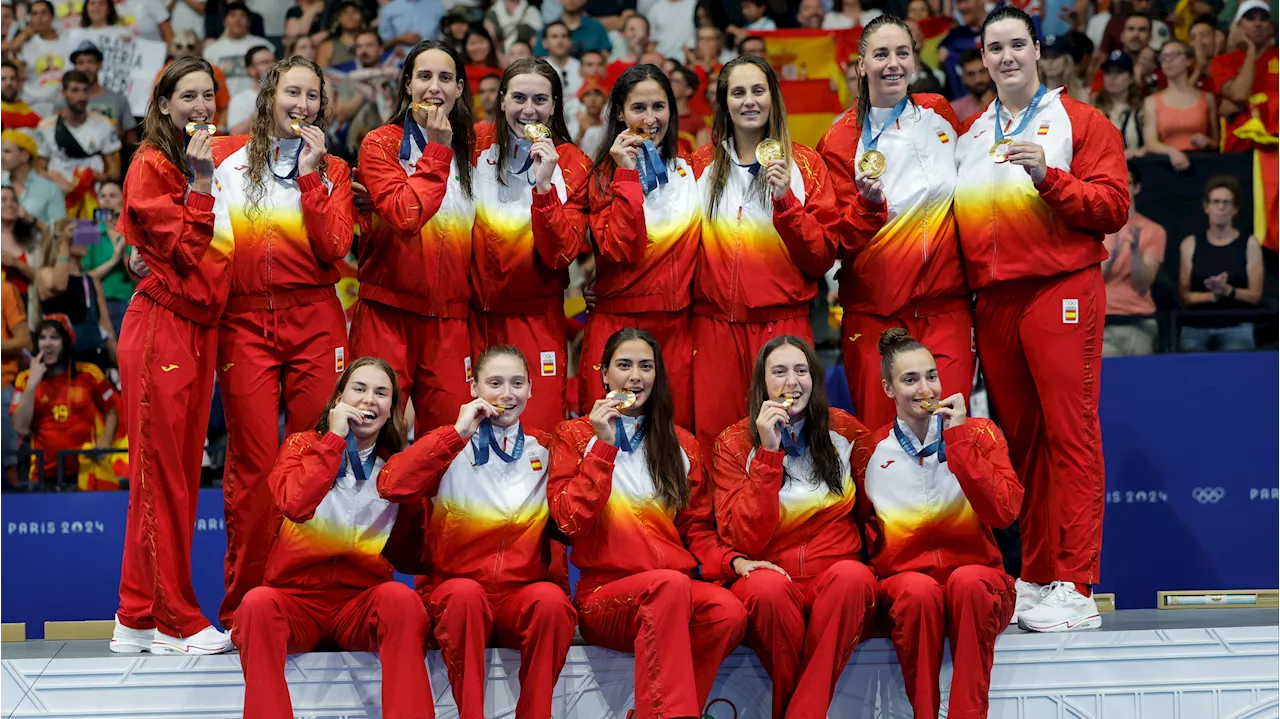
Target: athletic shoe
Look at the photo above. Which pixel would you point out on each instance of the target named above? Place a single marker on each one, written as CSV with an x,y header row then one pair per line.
x,y
1030,595
205,641
1063,610
130,641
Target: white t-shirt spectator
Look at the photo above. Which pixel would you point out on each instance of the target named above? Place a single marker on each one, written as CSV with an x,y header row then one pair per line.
x,y
241,107
97,136
764,23
67,13
671,27
45,61
184,18
272,12
570,76
228,54
144,16
840,21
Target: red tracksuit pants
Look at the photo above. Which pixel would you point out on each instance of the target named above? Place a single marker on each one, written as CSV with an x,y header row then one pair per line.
x,y
724,355
431,357
1040,344
970,608
680,630
949,337
805,630
388,618
541,339
298,351
674,333
536,619
166,373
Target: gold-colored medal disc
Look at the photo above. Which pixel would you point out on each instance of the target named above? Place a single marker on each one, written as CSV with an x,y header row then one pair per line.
x,y
873,163
930,405
194,127
624,398
1000,151
768,151
535,131
298,125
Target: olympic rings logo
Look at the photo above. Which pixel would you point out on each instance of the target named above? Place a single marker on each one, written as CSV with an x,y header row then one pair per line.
x,y
1208,495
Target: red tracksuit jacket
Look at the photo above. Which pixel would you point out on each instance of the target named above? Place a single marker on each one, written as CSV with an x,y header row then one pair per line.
x,y
801,527
336,532
415,250
897,253
935,517
603,500
1011,229
173,230
759,261
646,245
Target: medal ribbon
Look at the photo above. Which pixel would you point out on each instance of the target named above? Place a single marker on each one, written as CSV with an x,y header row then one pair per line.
x,y
620,430
521,157
1026,115
869,139
793,446
293,173
653,171
412,133
937,447
362,470
486,442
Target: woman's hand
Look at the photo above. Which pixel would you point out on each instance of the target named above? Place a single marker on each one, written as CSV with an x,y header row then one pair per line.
x,y
771,414
545,158
602,417
313,151
624,151
743,567
952,411
778,174
138,266
870,188
343,417
439,129
1030,157
1179,160
200,155
1200,141
360,197
470,416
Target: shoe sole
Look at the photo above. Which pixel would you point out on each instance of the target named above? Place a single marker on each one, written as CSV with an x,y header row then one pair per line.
x,y
189,650
1092,621
120,647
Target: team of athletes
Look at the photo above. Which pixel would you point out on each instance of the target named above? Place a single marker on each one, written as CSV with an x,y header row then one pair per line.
x,y
750,531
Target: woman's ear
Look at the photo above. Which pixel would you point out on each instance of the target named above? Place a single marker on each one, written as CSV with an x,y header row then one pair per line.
x,y
888,389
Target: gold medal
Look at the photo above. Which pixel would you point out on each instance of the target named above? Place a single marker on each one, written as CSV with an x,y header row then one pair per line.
x,y
786,400
641,134
624,398
930,405
426,105
1000,151
535,131
194,127
298,125
501,407
873,163
768,151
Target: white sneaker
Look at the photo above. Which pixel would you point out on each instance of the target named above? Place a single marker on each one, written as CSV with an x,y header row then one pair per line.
x,y
130,641
1030,595
205,641
1063,610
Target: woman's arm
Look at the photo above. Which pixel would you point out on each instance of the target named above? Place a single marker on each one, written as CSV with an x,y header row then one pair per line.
x,y
1253,268
328,212
560,228
805,228
859,220
1094,195
173,226
578,487
405,203
617,219
52,281
697,522
1188,296
416,472
745,500
978,456
1214,132
304,472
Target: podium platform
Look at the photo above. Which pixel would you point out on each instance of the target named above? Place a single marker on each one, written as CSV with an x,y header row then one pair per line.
x,y
1142,664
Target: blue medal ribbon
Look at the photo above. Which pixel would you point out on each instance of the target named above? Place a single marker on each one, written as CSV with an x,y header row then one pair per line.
x,y
620,435
653,171
412,133
869,139
485,442
793,446
293,173
1026,115
521,157
362,470
938,447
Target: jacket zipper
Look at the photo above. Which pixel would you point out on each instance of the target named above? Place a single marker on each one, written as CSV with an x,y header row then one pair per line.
x,y
497,567
801,558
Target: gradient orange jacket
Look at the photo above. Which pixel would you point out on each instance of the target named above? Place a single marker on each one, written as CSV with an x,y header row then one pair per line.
x,y
760,259
172,227
799,525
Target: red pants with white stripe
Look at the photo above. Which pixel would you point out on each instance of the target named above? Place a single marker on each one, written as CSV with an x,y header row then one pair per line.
x,y
166,373
948,336
1040,344
970,608
429,354
536,619
297,352
674,333
680,630
388,618
541,339
805,658
724,355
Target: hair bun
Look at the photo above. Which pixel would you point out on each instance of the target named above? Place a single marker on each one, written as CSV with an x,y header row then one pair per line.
x,y
893,338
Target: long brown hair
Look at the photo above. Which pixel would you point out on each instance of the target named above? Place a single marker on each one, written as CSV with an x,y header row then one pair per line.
x,y
603,167
817,413
464,132
264,126
722,130
864,84
158,130
502,132
662,452
391,438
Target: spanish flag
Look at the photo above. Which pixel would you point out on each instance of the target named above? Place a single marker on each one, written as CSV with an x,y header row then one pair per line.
x,y
932,30
17,115
810,65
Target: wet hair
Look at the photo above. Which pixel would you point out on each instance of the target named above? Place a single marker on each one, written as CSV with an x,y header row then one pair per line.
x,y
502,129
893,342
827,468
864,83
1221,182
664,456
391,438
1009,12
464,133
493,352
604,165
722,131
263,126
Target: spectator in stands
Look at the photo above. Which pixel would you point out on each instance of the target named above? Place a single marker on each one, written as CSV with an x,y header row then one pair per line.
x,y
405,23
64,288
510,21
592,65
78,147
755,13
1134,256
1218,272
102,17
454,28
966,35
106,260
1058,68
305,18
977,83
258,61
586,31
488,92
556,42
810,14
1204,46
43,54
709,55
304,47
146,19
41,201
1118,32
753,45
58,401
188,16
186,44
8,28
115,107
692,125
340,46
849,13
1180,118
590,118
926,79
481,52
1135,41
516,50
918,10
228,52
635,33
1250,68
19,241
15,346
15,113
1120,99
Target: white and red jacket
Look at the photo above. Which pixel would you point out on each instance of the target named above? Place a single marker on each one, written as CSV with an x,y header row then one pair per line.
x,y
760,259
1012,229
336,532
415,247
933,517
800,525
902,254
646,244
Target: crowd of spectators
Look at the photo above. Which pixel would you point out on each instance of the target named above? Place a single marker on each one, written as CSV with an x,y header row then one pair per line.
x,y
1177,79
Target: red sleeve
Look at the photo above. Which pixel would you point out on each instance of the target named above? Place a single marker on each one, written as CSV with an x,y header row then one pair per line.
x,y
417,471
578,487
169,225
328,212
407,203
304,472
807,228
560,228
701,159
406,548
19,386
746,501
978,456
861,219
1224,68
617,218
697,522
105,395
1094,195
